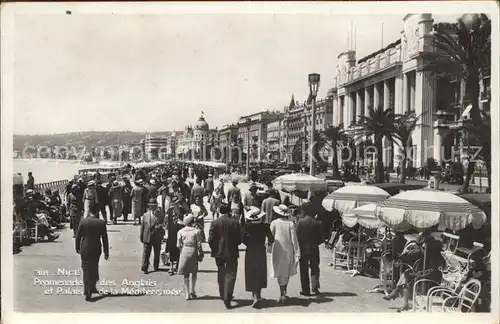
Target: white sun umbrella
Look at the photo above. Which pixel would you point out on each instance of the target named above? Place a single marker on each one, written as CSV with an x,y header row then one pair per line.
x,y
426,208
364,216
352,196
299,181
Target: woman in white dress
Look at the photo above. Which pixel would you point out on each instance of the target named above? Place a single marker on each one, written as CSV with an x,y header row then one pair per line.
x,y
189,243
285,250
216,200
199,212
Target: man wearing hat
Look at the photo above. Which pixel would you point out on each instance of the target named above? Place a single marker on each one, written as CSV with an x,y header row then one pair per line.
x,y
197,190
138,196
151,235
232,190
67,191
89,235
268,205
173,213
75,208
309,235
102,197
151,188
209,186
251,197
89,197
108,198
115,195
224,238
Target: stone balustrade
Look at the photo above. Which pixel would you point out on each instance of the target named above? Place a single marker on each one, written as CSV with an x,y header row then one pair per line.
x,y
52,186
370,66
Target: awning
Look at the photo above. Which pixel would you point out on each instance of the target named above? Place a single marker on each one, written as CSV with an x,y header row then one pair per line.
x,y
466,113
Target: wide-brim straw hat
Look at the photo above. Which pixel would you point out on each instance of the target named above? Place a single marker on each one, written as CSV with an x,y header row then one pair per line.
x,y
254,214
91,183
282,210
29,192
140,181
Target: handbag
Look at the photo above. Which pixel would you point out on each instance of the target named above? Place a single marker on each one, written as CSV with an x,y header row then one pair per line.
x,y
201,254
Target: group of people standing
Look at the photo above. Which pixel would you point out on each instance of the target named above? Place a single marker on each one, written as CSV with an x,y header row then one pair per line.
x,y
264,227
176,214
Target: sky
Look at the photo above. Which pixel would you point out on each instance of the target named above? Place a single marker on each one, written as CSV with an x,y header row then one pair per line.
x,y
114,72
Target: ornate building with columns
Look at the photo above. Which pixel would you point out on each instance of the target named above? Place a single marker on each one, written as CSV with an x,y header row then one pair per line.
x,y
393,78
196,141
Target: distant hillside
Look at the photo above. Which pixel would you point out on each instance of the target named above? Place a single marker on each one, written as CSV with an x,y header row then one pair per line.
x,y
88,139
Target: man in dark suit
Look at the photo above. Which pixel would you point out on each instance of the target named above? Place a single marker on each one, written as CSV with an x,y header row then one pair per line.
x,y
151,235
197,190
88,244
224,238
209,186
309,236
232,190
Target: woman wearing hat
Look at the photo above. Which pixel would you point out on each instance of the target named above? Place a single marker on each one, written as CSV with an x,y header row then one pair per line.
x,y
189,242
256,232
89,197
429,247
285,250
138,195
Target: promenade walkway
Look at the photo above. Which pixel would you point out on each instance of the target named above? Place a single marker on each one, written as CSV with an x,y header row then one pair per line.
x,y
341,292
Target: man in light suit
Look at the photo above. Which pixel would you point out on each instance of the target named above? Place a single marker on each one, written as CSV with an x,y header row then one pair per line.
x,y
309,236
225,236
88,244
151,235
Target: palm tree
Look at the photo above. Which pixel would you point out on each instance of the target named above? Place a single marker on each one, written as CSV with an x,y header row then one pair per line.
x,y
335,136
404,125
463,50
378,123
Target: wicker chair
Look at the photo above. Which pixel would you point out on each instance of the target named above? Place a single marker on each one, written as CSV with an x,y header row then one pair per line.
x,y
340,256
443,299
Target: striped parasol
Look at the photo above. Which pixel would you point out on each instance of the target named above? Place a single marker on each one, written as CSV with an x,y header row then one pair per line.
x,y
352,196
426,208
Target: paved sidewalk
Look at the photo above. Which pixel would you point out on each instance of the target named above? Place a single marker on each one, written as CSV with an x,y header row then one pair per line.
x,y
341,292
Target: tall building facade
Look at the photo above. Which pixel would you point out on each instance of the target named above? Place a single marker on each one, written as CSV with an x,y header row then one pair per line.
x,y
297,123
228,138
393,78
253,128
274,143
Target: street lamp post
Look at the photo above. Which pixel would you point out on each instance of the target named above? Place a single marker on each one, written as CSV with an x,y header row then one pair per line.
x,y
314,79
248,152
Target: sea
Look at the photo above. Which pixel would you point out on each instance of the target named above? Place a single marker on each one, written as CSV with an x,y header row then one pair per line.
x,y
47,170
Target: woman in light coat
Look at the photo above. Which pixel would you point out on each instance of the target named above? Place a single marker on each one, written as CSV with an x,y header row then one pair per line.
x,y
285,250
